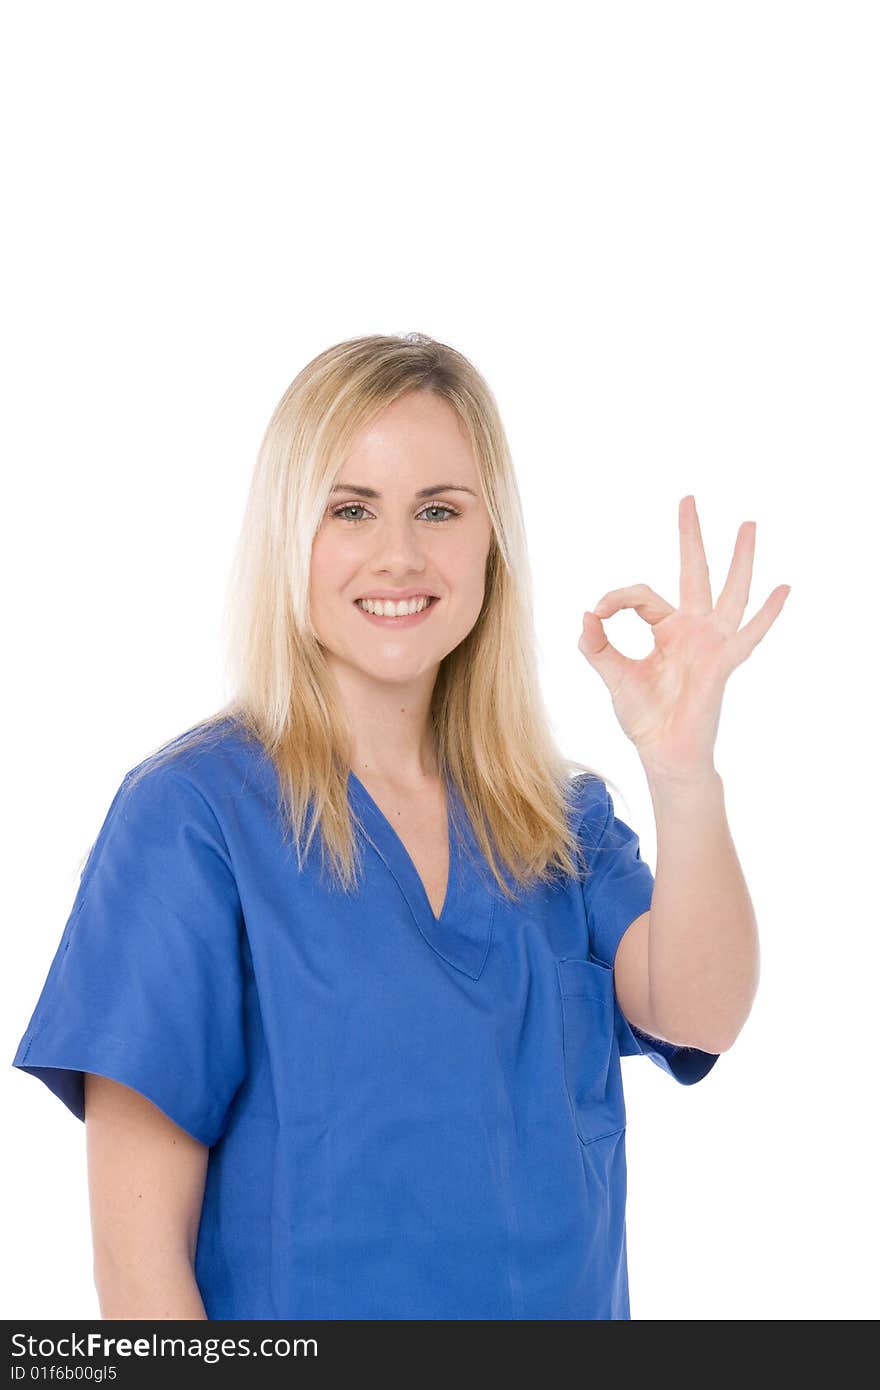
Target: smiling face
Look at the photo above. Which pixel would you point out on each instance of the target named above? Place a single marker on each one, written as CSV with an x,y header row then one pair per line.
x,y
406,517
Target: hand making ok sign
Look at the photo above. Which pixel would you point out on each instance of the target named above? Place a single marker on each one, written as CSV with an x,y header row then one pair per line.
x,y
669,703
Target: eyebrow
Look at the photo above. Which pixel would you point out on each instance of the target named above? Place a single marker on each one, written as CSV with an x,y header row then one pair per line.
x,y
422,492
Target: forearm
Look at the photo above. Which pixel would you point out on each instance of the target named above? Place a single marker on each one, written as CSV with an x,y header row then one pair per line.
x,y
153,1290
703,949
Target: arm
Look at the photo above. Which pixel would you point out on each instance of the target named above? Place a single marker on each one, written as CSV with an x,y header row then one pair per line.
x,y
688,970
146,1185
692,973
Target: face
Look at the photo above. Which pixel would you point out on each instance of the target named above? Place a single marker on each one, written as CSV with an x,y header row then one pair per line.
x,y
405,518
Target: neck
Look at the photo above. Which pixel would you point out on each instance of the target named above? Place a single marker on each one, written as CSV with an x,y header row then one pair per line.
x,y
392,739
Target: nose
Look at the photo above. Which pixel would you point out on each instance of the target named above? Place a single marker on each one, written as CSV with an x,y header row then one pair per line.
x,y
399,548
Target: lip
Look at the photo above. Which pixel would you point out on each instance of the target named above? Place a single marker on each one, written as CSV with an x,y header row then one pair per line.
x,y
397,595
407,620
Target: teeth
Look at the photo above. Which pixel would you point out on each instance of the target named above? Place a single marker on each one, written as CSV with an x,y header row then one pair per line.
x,y
387,608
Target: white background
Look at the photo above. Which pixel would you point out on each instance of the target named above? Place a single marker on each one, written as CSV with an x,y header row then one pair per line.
x,y
654,228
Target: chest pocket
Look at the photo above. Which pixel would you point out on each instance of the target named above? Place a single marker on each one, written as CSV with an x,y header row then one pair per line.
x,y
592,1061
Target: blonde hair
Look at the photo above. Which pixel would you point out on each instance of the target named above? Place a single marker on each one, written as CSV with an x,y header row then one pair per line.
x,y
489,722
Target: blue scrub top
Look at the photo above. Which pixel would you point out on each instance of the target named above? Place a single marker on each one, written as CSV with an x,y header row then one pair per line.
x,y
408,1116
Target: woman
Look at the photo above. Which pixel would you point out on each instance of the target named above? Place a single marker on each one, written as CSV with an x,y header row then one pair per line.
x,y
352,963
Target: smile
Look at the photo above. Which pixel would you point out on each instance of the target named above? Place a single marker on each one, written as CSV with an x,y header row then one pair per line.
x,y
389,614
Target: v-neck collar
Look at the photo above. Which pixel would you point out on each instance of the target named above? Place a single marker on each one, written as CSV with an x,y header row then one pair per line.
x,y
462,932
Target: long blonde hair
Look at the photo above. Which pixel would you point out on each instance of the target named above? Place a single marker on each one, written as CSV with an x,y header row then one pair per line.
x,y
489,721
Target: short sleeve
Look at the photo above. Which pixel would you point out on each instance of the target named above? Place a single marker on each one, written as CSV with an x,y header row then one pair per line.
x,y
146,983
617,889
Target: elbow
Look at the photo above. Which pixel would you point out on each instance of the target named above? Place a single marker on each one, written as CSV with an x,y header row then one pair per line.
x,y
711,1038
717,1044
716,1039
720,1034
715,1031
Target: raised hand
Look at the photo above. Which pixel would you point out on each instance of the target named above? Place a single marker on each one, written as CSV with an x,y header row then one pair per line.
x,y
669,702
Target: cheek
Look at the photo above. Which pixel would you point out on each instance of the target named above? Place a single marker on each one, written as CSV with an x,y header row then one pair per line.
x,y
466,568
328,564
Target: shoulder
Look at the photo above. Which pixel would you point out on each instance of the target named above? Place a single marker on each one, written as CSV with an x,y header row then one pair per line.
x,y
166,833
208,763
175,804
591,806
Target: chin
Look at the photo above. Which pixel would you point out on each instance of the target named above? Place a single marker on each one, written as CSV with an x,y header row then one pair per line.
x,y
393,669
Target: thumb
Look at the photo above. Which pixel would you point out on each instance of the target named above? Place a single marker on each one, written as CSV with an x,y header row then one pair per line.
x,y
599,652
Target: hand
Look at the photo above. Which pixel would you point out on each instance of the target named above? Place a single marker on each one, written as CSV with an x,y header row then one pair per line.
x,y
669,703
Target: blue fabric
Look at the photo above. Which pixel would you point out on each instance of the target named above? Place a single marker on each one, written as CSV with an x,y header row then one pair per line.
x,y
408,1117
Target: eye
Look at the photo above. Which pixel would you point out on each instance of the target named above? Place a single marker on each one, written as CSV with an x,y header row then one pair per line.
x,y
348,507
442,507
358,507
